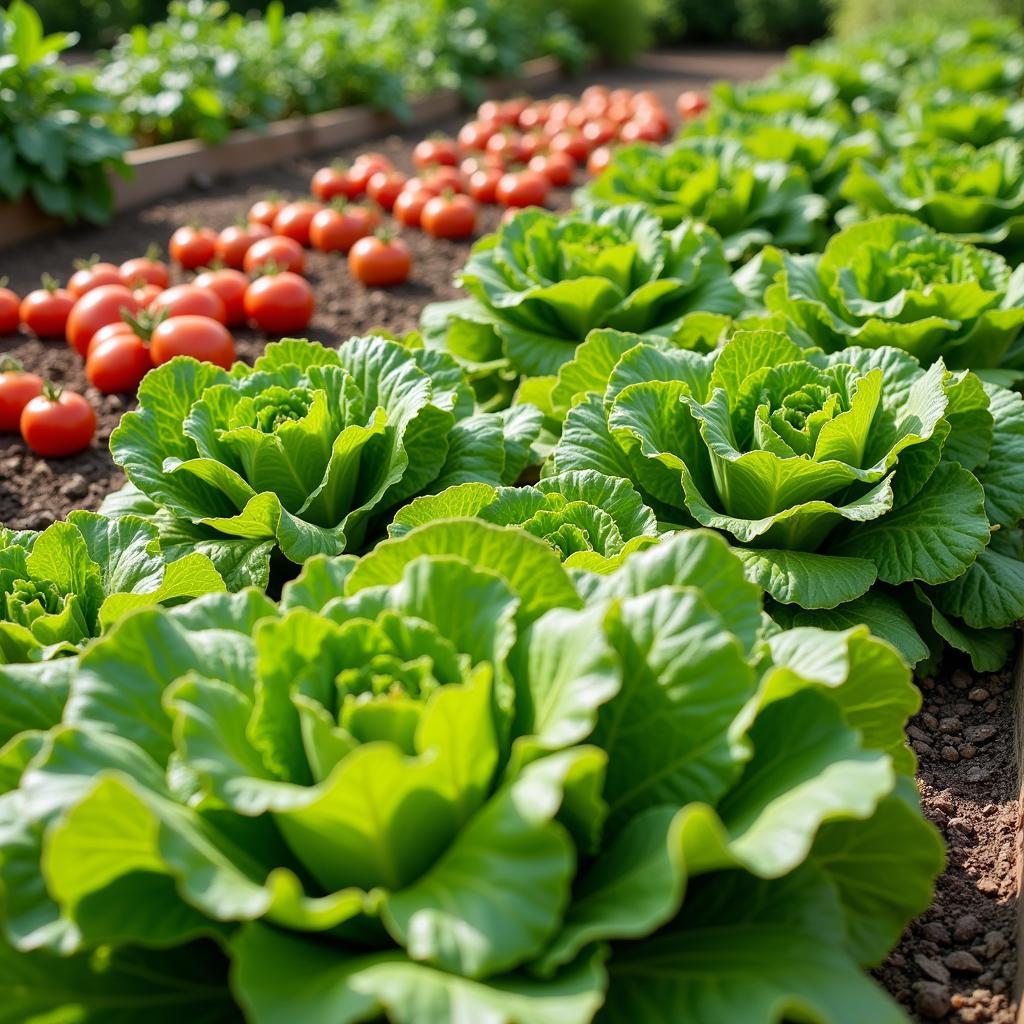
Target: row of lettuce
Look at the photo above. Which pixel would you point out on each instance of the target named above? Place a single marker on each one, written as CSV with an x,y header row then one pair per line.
x,y
622,744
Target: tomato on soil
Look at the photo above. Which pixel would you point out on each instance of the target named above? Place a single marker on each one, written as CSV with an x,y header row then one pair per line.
x,y
380,261
230,286
408,208
263,211
440,178
283,252
474,135
449,216
691,104
118,363
294,219
236,240
96,309
384,187
365,166
599,160
483,184
331,182
17,389
91,273
45,311
9,309
525,188
148,269
437,150
556,167
201,337
280,303
146,293
193,247
57,423
337,228
190,300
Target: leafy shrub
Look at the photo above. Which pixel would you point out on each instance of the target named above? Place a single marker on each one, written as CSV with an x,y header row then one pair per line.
x,y
54,141
543,281
302,450
749,202
441,779
839,477
973,195
593,521
894,281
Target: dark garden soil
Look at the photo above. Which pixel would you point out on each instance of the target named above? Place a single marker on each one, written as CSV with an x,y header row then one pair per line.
x,y
957,962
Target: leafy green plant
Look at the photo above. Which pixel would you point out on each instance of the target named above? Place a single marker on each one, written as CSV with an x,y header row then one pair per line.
x,y
593,521
894,281
979,119
61,587
55,143
838,477
302,450
439,780
543,281
825,148
749,202
974,195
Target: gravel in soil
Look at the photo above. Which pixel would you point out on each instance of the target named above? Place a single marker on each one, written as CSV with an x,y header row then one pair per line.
x,y
957,962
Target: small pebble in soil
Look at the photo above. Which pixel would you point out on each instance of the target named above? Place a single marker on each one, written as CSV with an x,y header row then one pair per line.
x,y
962,961
933,968
932,1000
979,695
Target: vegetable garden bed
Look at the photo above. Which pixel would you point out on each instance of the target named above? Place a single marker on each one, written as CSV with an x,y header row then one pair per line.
x,y
958,960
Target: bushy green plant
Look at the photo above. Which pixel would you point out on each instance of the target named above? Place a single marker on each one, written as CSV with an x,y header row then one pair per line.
x,y
838,477
443,782
303,450
749,202
55,143
543,281
893,281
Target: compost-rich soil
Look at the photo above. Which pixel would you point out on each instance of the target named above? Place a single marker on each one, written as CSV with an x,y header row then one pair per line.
x,y
957,962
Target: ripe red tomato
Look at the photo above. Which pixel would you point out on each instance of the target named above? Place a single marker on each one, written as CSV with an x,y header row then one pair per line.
x,y
235,241
114,330
91,274
9,306
599,160
408,208
336,228
285,253
525,188
330,182
496,112
280,303
17,389
190,300
145,294
508,144
483,185
101,306
595,97
384,186
201,337
57,423
533,116
556,167
263,211
45,311
193,247
573,143
294,219
474,135
449,216
441,178
148,269
642,130
380,261
230,286
118,363
691,104
366,165
438,149
599,131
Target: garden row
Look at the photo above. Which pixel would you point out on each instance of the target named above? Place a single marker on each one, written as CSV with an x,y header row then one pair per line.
x,y
625,743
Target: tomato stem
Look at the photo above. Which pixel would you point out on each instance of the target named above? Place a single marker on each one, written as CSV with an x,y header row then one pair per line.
x,y
52,392
8,364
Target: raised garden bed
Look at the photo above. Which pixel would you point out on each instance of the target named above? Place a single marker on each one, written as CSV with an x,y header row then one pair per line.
x,y
958,962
